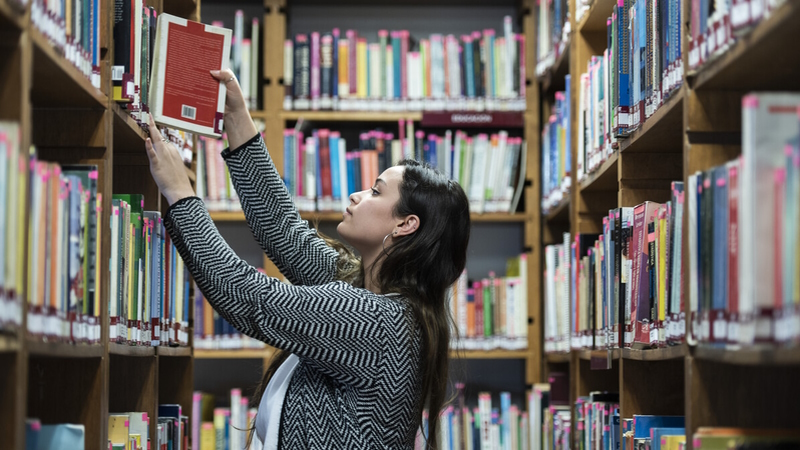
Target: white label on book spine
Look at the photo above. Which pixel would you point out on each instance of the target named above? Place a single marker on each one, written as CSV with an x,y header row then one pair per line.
x,y
720,329
653,335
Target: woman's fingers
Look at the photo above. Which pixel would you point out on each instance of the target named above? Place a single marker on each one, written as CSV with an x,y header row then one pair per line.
x,y
151,151
222,75
155,135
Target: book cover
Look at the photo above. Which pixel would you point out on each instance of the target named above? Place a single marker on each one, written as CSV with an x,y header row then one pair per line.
x,y
183,94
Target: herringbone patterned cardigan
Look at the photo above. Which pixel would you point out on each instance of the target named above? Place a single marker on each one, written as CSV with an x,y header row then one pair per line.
x,y
358,383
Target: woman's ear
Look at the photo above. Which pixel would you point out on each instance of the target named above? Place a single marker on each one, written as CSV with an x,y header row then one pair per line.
x,y
408,226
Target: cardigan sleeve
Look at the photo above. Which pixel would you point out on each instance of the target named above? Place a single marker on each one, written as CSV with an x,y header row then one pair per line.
x,y
344,331
295,248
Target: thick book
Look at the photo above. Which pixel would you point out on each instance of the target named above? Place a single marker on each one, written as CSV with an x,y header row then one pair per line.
x,y
183,94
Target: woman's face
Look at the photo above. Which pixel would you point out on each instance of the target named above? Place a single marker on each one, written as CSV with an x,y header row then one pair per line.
x,y
369,217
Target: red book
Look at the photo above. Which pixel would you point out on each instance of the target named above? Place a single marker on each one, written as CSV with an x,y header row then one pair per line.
x,y
325,164
183,94
478,287
733,242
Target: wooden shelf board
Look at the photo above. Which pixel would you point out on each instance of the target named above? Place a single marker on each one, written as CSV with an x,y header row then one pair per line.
x,y
595,19
130,350
11,15
174,351
553,79
129,137
751,64
348,116
656,354
8,343
559,213
662,132
250,353
589,354
238,216
604,178
558,358
61,350
57,83
749,356
489,354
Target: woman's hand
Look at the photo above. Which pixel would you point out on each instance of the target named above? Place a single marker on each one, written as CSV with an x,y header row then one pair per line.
x,y
167,168
234,98
238,124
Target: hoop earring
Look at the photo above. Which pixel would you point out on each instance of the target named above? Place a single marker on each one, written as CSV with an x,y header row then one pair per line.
x,y
384,243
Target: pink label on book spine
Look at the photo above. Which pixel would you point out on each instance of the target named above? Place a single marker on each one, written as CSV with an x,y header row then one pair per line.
x,y
127,424
93,175
750,101
696,443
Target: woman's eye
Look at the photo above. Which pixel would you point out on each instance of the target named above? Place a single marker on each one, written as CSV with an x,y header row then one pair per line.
x,y
375,191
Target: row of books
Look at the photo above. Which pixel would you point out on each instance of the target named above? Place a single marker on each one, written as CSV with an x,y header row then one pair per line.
x,y
625,287
552,33
130,431
72,27
492,312
149,292
639,70
134,49
213,332
63,285
13,189
621,288
484,427
479,71
654,432
556,152
714,26
596,420
743,227
549,410
321,173
245,55
223,428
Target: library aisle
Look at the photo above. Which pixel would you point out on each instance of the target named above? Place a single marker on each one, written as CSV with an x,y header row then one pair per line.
x,y
633,173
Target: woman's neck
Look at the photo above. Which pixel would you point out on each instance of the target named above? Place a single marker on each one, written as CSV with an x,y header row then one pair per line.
x,y
372,267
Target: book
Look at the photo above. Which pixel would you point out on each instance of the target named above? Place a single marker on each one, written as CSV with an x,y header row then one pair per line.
x,y
183,94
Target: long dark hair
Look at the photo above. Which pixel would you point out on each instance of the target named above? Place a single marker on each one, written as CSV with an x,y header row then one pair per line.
x,y
421,267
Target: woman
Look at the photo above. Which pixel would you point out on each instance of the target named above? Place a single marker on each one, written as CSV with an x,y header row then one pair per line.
x,y
365,340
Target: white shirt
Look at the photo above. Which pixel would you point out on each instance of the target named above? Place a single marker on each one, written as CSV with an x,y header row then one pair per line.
x,y
268,418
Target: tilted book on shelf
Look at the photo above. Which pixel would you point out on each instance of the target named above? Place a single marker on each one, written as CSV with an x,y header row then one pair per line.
x,y
183,94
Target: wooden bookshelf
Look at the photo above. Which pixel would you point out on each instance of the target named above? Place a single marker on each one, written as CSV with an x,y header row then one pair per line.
x,y
56,82
656,354
560,212
594,20
749,356
130,350
558,358
756,61
553,78
70,121
696,128
349,116
605,178
60,350
234,354
662,131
